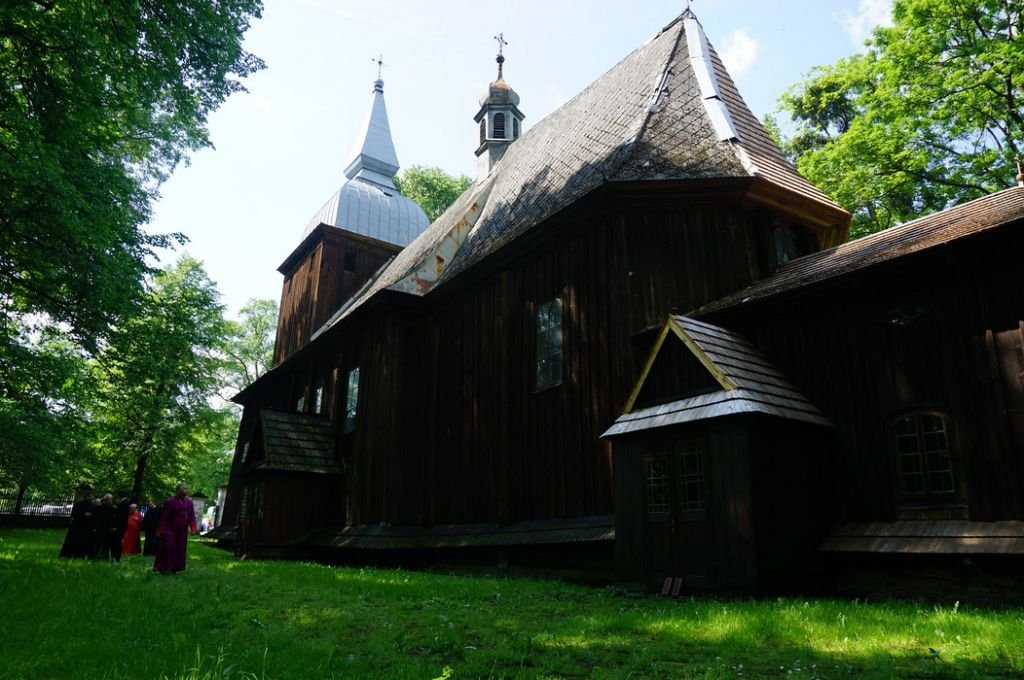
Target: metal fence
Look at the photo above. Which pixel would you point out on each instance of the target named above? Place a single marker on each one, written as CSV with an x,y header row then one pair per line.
x,y
35,505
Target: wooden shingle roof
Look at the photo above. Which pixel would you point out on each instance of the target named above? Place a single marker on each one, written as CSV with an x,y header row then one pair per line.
x,y
296,442
643,120
932,231
748,382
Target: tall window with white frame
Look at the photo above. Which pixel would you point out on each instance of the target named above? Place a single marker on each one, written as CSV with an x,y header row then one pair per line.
x,y
318,400
549,344
924,460
351,401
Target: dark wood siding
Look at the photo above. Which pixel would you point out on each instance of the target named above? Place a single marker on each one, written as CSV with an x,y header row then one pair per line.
x,y
765,491
451,426
320,283
499,450
293,505
726,544
937,331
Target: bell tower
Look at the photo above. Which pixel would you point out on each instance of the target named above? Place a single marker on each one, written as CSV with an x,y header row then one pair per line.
x,y
499,118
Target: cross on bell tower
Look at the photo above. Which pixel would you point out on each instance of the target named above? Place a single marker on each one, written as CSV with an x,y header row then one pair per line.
x,y
501,49
379,60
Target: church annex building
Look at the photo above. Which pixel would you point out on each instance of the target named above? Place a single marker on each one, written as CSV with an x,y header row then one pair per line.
x,y
641,342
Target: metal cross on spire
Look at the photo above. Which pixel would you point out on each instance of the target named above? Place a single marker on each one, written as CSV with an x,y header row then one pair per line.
x,y
501,48
380,65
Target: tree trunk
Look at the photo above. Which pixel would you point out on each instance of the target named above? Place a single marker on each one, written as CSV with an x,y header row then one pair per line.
x,y
140,470
140,466
21,497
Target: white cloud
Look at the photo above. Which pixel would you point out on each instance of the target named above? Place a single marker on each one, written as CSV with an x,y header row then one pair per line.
x,y
739,52
870,13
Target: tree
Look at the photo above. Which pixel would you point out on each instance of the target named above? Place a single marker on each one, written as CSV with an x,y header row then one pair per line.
x,y
431,187
930,116
98,103
157,375
249,351
42,427
209,456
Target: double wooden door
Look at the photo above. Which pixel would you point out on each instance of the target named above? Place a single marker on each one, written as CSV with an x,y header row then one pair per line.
x,y
677,512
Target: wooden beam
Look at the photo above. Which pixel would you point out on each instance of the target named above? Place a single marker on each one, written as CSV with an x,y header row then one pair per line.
x,y
647,367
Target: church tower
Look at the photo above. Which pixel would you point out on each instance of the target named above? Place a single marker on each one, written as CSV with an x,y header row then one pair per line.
x,y
359,229
499,118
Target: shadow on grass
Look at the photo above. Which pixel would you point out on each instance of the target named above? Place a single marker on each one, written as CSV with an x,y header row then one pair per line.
x,y
228,618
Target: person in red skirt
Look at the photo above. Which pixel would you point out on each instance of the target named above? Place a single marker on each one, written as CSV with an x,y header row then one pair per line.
x,y
131,544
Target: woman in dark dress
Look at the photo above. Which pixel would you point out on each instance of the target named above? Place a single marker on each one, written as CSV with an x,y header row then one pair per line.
x,y
81,534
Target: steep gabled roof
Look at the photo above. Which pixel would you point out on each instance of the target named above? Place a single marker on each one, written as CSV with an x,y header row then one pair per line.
x,y
296,442
748,383
932,231
646,119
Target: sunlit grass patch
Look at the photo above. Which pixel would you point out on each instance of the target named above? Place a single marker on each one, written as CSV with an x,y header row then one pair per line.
x,y
224,618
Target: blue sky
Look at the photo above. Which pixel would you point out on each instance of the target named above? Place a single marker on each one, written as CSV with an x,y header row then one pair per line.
x,y
280,149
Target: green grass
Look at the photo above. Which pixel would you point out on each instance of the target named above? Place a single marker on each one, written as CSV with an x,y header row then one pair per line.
x,y
228,619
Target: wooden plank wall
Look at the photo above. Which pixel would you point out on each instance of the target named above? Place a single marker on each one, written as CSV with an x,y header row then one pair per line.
x,y
501,451
790,464
451,428
295,504
957,353
319,285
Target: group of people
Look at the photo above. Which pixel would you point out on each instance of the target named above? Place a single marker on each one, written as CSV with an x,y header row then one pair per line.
x,y
101,530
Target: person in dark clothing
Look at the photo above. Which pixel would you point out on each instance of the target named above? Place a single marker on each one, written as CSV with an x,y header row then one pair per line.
x,y
78,542
150,521
120,525
104,513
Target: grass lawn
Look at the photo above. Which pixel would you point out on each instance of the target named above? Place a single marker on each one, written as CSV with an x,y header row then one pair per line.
x,y
228,619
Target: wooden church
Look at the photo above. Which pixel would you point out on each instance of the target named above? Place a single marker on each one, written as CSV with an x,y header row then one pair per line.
x,y
639,341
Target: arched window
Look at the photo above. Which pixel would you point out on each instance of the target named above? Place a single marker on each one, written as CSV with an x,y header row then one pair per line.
x,y
483,130
499,126
924,464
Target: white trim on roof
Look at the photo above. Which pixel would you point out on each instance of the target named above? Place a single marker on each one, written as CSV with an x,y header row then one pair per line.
x,y
704,70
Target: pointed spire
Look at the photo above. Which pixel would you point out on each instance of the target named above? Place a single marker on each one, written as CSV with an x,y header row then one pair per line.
x,y
373,158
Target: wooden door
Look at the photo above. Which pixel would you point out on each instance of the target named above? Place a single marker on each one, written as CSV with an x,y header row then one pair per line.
x,y
250,520
661,527
693,531
678,531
